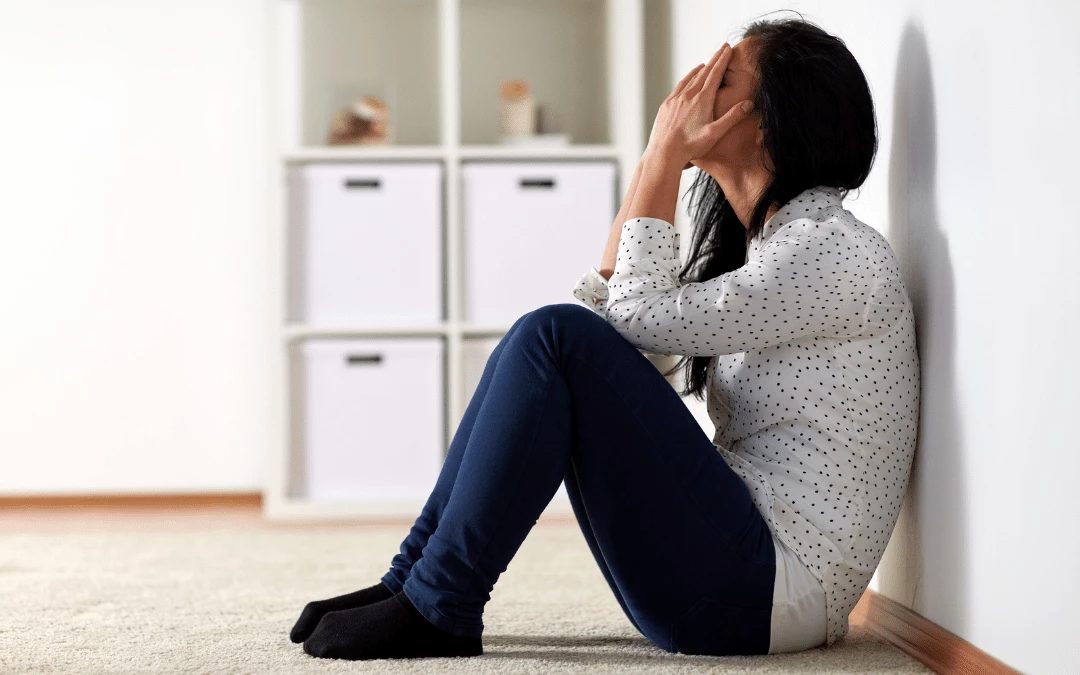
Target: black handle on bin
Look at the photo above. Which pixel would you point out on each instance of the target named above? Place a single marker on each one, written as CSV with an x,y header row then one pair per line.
x,y
354,359
537,183
351,183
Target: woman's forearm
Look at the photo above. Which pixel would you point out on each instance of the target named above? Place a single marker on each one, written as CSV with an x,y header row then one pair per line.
x,y
657,192
657,199
607,265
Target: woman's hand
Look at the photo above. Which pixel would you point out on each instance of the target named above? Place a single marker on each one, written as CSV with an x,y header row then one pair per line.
x,y
684,128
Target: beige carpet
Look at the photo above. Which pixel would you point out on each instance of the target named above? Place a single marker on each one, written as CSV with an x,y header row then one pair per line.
x,y
222,600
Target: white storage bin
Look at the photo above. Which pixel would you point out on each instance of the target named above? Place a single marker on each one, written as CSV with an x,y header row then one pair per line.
x,y
475,353
366,243
372,417
531,230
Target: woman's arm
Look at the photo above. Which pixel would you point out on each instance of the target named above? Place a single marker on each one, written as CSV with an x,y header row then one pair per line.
x,y
658,189
671,149
659,195
607,265
770,300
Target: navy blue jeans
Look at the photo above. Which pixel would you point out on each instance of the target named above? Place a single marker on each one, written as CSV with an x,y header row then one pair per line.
x,y
564,397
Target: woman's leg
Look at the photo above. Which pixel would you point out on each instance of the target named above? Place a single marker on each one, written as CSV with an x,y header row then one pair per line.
x,y
422,528
672,526
428,520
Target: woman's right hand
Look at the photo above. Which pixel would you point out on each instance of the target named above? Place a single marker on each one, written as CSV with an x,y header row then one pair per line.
x,y
652,135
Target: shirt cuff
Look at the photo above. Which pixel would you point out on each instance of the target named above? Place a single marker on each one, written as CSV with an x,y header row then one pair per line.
x,y
649,238
592,289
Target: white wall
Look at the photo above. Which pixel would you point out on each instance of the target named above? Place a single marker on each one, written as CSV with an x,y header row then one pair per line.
x,y
133,257
977,107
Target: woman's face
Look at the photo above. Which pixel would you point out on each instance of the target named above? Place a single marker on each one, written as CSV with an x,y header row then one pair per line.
x,y
741,146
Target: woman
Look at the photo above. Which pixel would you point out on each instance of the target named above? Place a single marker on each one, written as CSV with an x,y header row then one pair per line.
x,y
792,317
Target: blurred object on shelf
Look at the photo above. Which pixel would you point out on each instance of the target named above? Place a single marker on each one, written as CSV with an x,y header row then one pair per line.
x,y
517,110
365,122
548,131
547,120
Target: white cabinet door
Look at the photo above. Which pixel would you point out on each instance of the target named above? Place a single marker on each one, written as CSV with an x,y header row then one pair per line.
x,y
372,423
366,243
531,230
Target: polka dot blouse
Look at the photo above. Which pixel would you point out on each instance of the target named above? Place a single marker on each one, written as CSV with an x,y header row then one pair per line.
x,y
814,390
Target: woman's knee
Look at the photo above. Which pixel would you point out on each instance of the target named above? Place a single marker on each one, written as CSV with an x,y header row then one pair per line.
x,y
565,327
568,314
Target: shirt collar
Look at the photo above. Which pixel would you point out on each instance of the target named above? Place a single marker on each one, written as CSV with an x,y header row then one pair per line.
x,y
807,204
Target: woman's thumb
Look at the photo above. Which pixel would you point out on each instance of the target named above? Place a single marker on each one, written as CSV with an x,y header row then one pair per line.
x,y
730,118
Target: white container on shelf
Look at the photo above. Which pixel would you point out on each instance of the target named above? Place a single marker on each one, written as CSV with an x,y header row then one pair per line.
x,y
531,230
366,243
372,425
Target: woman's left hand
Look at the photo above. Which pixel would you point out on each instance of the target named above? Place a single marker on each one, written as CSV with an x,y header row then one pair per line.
x,y
684,128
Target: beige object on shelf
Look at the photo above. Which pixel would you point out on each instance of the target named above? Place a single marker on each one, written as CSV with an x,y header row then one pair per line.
x,y
517,109
364,123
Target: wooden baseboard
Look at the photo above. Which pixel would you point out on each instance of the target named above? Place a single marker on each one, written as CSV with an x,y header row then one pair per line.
x,y
135,501
936,648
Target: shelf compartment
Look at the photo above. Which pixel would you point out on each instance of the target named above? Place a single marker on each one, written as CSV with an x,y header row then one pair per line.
x,y
366,243
558,46
531,229
368,418
592,49
332,51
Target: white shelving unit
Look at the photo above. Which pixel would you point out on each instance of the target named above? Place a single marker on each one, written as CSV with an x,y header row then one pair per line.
x,y
585,57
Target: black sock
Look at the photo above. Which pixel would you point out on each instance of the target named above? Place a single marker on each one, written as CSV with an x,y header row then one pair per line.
x,y
309,618
388,629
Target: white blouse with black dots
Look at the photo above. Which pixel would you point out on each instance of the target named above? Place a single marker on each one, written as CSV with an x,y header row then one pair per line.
x,y
814,390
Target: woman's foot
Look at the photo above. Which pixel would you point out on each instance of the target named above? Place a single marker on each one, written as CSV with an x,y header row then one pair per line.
x,y
388,629
313,611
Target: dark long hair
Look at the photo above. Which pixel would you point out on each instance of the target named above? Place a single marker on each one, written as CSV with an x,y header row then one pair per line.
x,y
817,119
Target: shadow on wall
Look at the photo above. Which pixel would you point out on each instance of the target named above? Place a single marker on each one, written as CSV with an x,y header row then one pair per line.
x,y
931,531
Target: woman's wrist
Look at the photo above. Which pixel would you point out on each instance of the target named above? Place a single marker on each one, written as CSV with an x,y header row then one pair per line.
x,y
607,263
665,156
658,191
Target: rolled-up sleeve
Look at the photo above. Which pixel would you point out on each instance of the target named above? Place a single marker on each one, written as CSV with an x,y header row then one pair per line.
x,y
592,287
592,290
799,284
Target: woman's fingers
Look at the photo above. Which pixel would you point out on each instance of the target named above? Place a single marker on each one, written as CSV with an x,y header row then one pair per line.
x,y
704,74
712,80
686,78
691,82
686,119
733,116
